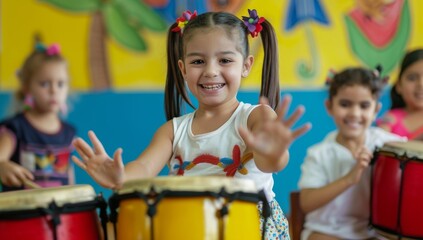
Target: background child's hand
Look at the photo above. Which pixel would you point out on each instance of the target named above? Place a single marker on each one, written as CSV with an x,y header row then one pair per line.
x,y
95,161
13,174
363,157
275,135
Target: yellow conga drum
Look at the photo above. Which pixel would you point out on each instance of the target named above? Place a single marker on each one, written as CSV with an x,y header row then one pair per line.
x,y
57,213
186,208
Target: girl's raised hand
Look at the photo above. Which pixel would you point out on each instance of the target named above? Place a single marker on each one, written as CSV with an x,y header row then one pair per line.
x,y
363,157
105,171
275,135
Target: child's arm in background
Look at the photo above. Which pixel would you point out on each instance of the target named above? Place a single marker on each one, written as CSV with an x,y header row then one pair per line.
x,y
314,198
386,121
11,173
111,173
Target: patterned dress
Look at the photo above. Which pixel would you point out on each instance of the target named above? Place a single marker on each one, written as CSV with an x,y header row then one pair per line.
x,y
46,155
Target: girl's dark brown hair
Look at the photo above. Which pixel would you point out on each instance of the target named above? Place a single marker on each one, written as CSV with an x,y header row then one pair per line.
x,y
175,91
358,76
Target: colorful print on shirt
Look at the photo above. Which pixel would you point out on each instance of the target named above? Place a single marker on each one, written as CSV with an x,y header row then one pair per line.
x,y
229,165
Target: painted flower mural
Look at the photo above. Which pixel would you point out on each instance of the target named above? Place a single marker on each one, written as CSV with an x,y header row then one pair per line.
x,y
305,12
172,9
378,31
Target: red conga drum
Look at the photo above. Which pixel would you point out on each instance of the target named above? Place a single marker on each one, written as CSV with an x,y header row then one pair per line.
x,y
397,190
58,213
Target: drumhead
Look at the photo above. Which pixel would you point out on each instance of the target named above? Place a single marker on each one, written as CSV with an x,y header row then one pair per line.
x,y
410,149
41,198
189,183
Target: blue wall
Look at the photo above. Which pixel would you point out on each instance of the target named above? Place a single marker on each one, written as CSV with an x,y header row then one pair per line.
x,y
129,120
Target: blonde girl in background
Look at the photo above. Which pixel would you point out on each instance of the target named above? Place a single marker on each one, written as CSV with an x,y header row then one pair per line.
x,y
36,144
209,55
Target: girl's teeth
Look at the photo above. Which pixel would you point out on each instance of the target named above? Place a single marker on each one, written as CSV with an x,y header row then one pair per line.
x,y
212,87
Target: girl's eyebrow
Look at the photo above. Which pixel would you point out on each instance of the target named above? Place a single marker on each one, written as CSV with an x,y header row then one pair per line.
x,y
220,53
194,54
228,53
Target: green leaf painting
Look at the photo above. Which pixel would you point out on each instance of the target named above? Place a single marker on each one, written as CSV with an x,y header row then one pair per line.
x,y
124,21
75,5
144,16
121,30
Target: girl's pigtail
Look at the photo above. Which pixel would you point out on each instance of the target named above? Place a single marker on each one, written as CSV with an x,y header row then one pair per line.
x,y
270,72
175,92
396,99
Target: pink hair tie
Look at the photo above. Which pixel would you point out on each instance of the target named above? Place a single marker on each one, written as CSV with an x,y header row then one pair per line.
x,y
53,49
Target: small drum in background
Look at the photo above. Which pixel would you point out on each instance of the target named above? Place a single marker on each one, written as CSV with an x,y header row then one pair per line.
x,y
397,190
57,213
186,208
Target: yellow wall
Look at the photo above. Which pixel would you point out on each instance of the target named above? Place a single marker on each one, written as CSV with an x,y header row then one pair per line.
x,y
21,19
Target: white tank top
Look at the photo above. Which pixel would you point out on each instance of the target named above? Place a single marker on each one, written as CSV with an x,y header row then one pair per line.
x,y
219,153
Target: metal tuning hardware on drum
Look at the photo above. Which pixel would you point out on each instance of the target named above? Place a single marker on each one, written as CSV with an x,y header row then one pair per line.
x,y
56,213
209,208
396,209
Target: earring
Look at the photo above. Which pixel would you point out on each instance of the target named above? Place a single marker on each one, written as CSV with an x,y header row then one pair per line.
x,y
28,102
64,109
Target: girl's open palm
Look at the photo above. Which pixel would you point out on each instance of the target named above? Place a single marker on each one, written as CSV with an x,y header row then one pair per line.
x,y
275,135
105,171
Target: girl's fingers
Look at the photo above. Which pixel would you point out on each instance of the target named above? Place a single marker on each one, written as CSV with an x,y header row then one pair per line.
x,y
79,163
83,157
98,147
13,181
300,131
364,154
27,174
295,116
83,148
79,151
117,157
22,177
283,107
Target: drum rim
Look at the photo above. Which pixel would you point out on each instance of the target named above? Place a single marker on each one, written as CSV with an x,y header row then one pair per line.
x,y
189,183
407,148
391,235
41,198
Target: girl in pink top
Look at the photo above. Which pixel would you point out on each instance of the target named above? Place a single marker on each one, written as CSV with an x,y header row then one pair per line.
x,y
406,113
